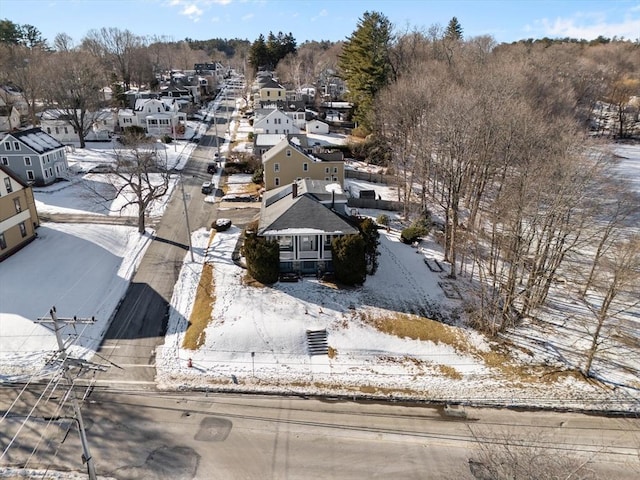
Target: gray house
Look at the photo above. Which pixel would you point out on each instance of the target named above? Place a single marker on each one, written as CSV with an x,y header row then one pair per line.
x,y
34,156
304,217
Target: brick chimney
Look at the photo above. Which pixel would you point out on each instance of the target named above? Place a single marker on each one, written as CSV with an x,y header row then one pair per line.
x,y
294,190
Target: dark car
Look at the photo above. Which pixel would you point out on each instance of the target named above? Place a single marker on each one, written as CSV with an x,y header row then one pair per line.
x,y
211,168
221,224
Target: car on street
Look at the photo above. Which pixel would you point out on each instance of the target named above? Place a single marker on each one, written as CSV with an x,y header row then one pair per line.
x,y
221,224
211,168
207,188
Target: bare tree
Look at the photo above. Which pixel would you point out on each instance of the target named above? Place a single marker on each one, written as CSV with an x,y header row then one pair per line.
x,y
74,89
615,290
140,175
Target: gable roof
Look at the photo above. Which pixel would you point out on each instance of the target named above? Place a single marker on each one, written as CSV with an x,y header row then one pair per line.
x,y
37,140
13,176
282,213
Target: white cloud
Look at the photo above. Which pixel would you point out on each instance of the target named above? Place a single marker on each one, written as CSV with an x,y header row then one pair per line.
x,y
591,25
247,17
192,11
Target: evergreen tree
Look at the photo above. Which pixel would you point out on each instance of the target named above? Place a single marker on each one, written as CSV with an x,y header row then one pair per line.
x,y
371,236
364,64
258,54
15,34
349,259
454,30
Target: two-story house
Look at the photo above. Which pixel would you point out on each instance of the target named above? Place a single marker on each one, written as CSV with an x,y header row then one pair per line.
x,y
269,89
18,215
304,217
272,120
100,125
157,116
288,162
34,156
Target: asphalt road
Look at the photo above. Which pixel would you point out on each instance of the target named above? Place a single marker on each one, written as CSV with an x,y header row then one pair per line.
x,y
185,436
140,321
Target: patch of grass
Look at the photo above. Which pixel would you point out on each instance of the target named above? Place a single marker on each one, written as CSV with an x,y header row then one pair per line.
x,y
449,371
252,282
405,325
332,352
200,316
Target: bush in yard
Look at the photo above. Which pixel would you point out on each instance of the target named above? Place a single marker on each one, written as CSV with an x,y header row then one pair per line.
x,y
414,232
262,257
349,259
383,219
167,139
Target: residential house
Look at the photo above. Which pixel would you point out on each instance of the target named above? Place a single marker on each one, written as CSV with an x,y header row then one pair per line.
x,y
57,123
18,215
10,95
295,110
273,121
304,217
157,116
316,126
9,118
34,156
270,90
288,161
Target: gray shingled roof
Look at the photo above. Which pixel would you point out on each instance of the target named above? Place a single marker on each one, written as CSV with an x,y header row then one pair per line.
x,y
37,140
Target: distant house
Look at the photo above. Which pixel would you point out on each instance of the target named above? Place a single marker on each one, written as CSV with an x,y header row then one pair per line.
x,y
273,121
288,161
33,156
157,116
305,217
58,124
316,126
18,215
9,118
270,90
10,95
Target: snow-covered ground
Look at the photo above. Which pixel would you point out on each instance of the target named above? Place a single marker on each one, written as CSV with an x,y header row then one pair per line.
x,y
256,339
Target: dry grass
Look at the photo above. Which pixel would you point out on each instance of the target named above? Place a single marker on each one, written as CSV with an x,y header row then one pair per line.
x,y
200,316
405,325
332,352
449,371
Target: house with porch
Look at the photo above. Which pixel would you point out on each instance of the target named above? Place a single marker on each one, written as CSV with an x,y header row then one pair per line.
x,y
158,116
56,122
34,156
272,120
289,161
18,215
304,217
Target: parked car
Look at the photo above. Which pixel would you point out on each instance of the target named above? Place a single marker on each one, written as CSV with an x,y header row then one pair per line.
x,y
211,168
221,224
207,188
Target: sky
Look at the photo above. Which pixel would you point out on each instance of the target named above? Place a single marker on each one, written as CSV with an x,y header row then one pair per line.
x,y
333,20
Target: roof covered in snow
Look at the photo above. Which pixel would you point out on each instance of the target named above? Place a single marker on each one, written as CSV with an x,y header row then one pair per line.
x,y
37,140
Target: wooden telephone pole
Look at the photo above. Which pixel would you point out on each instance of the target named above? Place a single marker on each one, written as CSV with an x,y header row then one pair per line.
x,y
67,363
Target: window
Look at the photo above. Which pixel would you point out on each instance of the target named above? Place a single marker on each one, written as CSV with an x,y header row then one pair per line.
x,y
66,130
30,175
326,170
5,161
16,203
276,167
7,185
3,242
305,167
16,146
7,146
288,152
23,229
335,169
277,181
49,130
27,161
57,130
285,242
307,243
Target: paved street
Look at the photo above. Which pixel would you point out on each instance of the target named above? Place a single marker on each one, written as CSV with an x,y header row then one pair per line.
x,y
174,436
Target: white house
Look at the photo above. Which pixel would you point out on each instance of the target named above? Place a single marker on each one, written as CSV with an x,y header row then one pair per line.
x,y
57,124
157,116
275,121
9,118
316,126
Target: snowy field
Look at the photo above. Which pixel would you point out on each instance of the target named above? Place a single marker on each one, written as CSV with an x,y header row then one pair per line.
x,y
256,340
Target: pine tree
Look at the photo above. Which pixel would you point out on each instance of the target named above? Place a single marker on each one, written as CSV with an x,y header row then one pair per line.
x,y
454,30
364,64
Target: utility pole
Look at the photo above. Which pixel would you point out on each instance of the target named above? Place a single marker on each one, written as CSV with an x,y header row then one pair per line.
x,y
62,352
186,216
